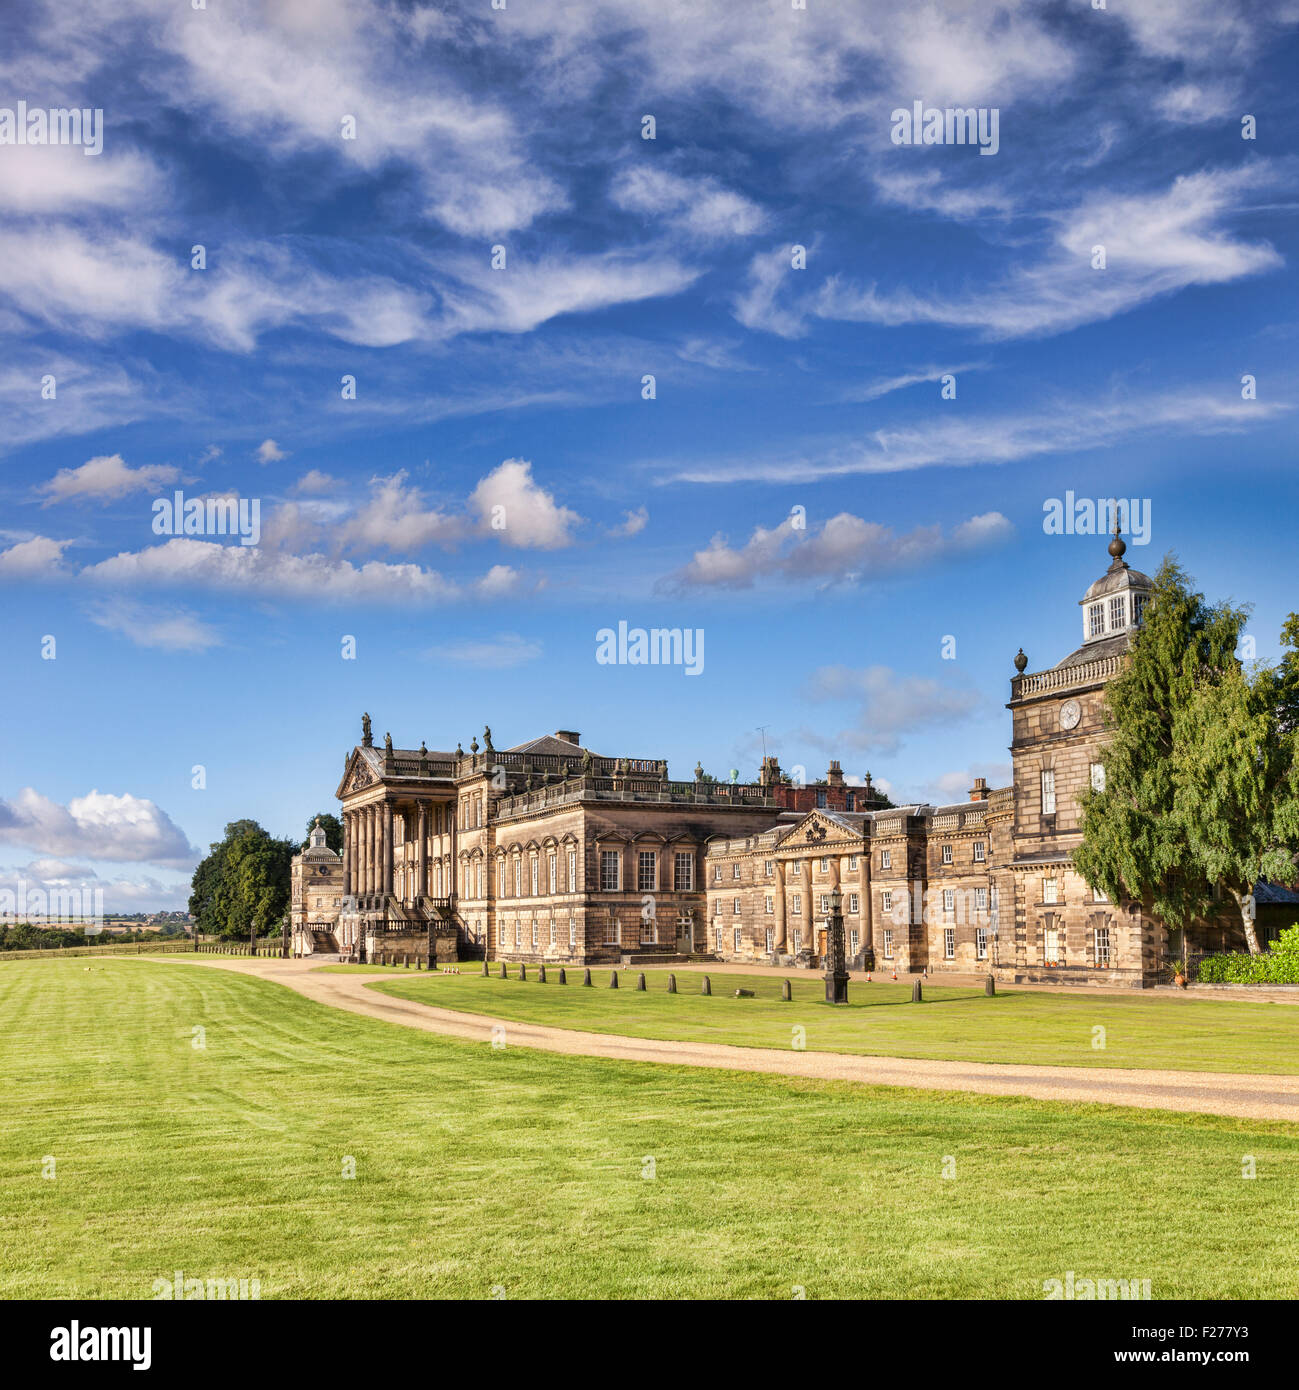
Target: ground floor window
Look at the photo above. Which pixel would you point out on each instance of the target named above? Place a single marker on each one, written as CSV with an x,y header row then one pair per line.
x,y
1101,945
771,941
981,943
534,933
552,931
798,942
648,934
572,934
611,936
1051,944
949,943
888,943
738,937
518,934
853,939
717,935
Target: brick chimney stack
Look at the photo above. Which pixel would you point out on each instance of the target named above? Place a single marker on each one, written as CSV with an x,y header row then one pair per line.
x,y
835,775
769,773
979,791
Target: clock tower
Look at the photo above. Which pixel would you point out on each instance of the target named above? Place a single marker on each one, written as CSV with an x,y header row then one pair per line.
x,y
1057,733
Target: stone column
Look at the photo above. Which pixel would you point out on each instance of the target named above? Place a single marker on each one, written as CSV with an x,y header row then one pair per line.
x,y
387,847
370,879
780,933
347,853
421,882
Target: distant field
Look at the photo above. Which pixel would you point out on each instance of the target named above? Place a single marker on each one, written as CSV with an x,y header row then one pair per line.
x,y
540,1175
954,1024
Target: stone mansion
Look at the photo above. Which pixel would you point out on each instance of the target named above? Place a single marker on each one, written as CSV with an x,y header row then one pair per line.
x,y
546,851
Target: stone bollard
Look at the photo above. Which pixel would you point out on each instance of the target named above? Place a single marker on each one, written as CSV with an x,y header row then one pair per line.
x,y
505,974
541,975
405,960
672,984
786,993
523,971
707,986
916,996
990,986
613,979
640,982
586,976
563,978
486,972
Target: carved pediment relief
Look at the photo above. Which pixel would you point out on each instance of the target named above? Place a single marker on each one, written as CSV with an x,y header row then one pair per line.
x,y
361,777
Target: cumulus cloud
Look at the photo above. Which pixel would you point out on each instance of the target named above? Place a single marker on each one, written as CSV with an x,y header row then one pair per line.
x,y
104,477
845,548
313,483
38,557
396,519
96,826
268,451
632,524
510,504
182,562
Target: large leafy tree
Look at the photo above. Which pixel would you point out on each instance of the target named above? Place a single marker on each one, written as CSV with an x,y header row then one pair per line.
x,y
1199,769
1235,791
244,879
333,828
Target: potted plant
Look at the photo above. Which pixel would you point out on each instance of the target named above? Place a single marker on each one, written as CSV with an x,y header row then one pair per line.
x,y
1181,973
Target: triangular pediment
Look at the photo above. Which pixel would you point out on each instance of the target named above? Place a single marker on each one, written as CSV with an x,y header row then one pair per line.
x,y
820,828
357,775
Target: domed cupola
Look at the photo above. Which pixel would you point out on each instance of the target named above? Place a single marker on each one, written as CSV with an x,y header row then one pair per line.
x,y
317,836
1114,604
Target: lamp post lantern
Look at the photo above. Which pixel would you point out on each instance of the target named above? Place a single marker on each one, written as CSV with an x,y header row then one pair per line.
x,y
836,968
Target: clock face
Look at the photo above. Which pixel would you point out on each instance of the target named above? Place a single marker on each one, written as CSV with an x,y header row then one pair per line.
x,y
1070,714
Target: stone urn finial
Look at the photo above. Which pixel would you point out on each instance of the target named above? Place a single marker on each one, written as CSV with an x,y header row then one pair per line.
x,y
1021,661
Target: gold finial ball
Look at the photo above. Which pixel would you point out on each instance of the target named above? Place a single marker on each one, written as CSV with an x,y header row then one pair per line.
x,y
1118,545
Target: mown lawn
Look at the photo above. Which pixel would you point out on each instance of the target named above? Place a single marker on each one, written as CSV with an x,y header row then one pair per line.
x,y
957,1024
538,1175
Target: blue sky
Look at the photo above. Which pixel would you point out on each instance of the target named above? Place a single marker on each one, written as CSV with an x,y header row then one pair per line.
x,y
516,392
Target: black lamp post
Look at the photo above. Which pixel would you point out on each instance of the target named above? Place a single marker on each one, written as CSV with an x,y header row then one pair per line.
x,y
836,968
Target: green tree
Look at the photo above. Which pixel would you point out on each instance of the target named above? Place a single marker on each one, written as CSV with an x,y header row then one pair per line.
x,y
333,828
243,879
1196,770
1235,789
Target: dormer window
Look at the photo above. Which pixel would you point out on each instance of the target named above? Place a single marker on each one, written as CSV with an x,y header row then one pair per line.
x,y
1139,602
1096,620
1118,613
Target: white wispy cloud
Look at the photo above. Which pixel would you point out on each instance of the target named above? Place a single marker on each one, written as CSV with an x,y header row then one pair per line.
x,y
941,440
168,629
497,653
890,704
1154,244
